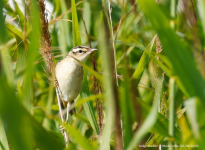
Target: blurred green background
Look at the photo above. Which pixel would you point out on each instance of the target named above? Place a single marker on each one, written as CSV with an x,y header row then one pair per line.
x,y
159,53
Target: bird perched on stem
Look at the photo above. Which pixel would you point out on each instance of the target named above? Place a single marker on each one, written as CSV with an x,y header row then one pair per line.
x,y
69,74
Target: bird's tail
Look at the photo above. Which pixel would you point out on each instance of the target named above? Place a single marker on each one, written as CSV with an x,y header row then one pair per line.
x,y
72,111
64,107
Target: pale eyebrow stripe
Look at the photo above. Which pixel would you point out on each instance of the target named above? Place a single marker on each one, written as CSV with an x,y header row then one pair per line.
x,y
76,49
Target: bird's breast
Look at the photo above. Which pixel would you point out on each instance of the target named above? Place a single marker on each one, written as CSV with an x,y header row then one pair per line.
x,y
69,76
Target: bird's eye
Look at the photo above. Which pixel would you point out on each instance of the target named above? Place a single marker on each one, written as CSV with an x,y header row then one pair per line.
x,y
80,51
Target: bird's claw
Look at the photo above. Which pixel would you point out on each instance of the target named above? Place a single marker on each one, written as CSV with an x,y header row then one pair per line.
x,y
62,128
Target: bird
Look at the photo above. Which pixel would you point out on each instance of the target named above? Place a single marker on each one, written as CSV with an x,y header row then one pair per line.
x,y
69,74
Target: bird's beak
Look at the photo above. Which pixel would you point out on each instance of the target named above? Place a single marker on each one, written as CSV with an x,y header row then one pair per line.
x,y
92,49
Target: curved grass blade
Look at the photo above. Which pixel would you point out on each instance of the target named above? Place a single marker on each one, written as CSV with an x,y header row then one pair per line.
x,y
2,24
22,129
3,138
76,30
150,119
184,68
80,140
93,72
144,60
88,106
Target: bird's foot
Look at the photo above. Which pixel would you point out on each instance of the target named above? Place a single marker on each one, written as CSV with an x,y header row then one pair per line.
x,y
68,109
62,128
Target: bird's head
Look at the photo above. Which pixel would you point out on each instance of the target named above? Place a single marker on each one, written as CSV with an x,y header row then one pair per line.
x,y
81,53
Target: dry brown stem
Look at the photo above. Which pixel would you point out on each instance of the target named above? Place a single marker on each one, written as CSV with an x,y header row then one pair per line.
x,y
46,52
113,41
45,41
190,15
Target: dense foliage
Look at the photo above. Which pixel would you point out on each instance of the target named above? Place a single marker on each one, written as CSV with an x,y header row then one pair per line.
x,y
144,87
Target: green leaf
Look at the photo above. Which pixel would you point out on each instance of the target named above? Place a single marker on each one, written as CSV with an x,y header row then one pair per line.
x,y
3,138
192,115
87,99
79,139
88,106
144,60
2,24
14,30
184,68
81,101
93,72
33,50
20,14
161,65
22,129
82,118
109,96
126,107
76,30
150,119
201,10
161,125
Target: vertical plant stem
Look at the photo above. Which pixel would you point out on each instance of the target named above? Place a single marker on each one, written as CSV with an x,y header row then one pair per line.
x,y
158,72
113,71
113,40
118,132
171,109
46,122
45,51
173,13
109,55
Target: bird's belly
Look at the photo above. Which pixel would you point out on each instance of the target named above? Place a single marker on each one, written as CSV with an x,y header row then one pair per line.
x,y
70,88
70,83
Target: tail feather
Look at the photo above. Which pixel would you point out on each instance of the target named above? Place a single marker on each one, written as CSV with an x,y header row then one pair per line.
x,y
64,107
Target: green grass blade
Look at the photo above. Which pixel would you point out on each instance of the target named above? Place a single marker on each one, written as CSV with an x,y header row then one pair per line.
x,y
161,65
16,32
172,110
80,102
127,109
22,129
82,118
5,60
88,106
20,14
187,75
46,123
192,115
161,125
65,38
144,60
2,24
201,10
87,99
93,72
76,30
150,119
109,98
3,138
31,57
80,140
